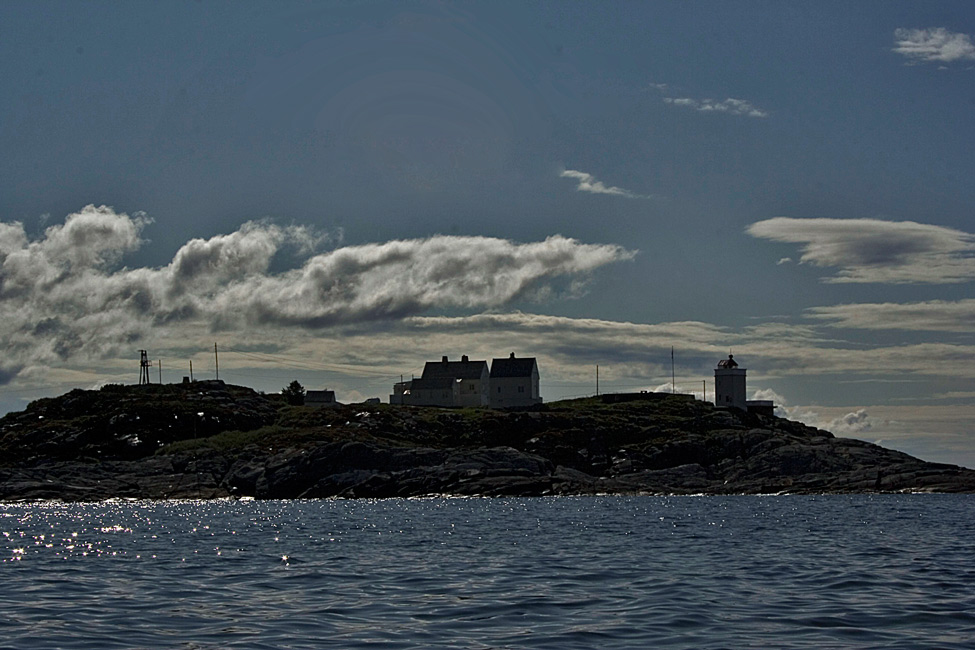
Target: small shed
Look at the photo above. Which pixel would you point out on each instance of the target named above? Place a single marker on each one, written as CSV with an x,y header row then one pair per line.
x,y
320,398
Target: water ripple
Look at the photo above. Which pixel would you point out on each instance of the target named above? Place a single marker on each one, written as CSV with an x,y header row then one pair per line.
x,y
613,572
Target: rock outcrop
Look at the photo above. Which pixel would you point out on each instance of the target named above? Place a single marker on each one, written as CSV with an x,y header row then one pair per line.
x,y
207,439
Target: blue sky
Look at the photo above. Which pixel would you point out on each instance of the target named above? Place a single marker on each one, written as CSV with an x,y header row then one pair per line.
x,y
338,192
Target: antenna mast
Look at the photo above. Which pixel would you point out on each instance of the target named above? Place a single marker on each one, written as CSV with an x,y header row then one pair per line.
x,y
144,365
216,360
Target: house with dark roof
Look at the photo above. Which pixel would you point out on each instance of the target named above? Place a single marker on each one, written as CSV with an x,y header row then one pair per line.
x,y
514,382
510,382
446,383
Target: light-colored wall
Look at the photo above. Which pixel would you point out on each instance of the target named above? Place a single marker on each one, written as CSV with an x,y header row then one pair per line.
x,y
474,392
729,387
432,397
505,391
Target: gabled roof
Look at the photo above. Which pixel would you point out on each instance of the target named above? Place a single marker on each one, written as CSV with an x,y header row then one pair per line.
x,y
432,383
513,367
454,369
320,395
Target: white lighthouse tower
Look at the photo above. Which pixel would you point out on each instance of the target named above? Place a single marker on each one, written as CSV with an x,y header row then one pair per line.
x,y
729,384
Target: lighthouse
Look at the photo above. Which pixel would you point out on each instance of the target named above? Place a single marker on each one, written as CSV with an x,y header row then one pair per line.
x,y
729,384
729,390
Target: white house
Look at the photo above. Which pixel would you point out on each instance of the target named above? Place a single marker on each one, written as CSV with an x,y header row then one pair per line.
x,y
514,382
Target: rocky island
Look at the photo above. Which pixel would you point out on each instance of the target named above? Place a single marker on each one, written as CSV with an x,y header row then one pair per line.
x,y
209,439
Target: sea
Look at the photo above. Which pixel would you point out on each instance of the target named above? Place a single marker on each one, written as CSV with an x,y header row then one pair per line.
x,y
865,571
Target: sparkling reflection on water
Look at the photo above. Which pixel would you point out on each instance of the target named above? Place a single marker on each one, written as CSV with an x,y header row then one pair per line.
x,y
606,572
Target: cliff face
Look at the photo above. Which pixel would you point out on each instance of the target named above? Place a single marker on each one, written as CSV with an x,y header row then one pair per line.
x,y
208,439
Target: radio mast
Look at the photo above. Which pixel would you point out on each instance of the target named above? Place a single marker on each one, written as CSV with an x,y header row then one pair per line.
x,y
144,365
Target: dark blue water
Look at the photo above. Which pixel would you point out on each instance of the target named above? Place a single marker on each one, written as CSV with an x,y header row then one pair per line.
x,y
608,572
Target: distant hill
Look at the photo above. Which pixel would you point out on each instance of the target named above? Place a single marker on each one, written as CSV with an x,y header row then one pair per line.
x,y
209,439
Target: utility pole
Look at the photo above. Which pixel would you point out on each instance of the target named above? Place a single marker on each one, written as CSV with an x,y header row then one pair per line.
x,y
673,385
704,390
216,360
191,369
597,381
159,364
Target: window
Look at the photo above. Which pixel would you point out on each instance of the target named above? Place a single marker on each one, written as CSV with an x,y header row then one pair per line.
x,y
499,390
521,389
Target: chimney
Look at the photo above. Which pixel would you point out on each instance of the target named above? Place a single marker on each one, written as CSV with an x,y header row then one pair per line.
x,y
464,358
512,356
444,360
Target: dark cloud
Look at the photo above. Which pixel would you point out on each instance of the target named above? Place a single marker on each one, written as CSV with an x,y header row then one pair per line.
x,y
7,373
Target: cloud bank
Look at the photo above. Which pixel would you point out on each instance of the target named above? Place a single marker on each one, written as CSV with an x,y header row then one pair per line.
x,y
731,106
930,316
871,250
63,297
588,183
934,45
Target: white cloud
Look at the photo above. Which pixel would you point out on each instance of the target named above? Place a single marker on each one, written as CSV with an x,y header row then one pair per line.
x,y
769,394
852,423
856,422
588,183
62,299
935,44
871,250
932,316
731,106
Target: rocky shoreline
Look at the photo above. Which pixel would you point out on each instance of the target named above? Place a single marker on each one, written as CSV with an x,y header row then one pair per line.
x,y
211,440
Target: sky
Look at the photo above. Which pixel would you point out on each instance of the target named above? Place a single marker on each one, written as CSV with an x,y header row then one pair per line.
x,y
337,192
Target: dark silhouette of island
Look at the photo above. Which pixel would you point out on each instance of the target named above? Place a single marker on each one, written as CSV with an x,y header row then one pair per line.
x,y
209,440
